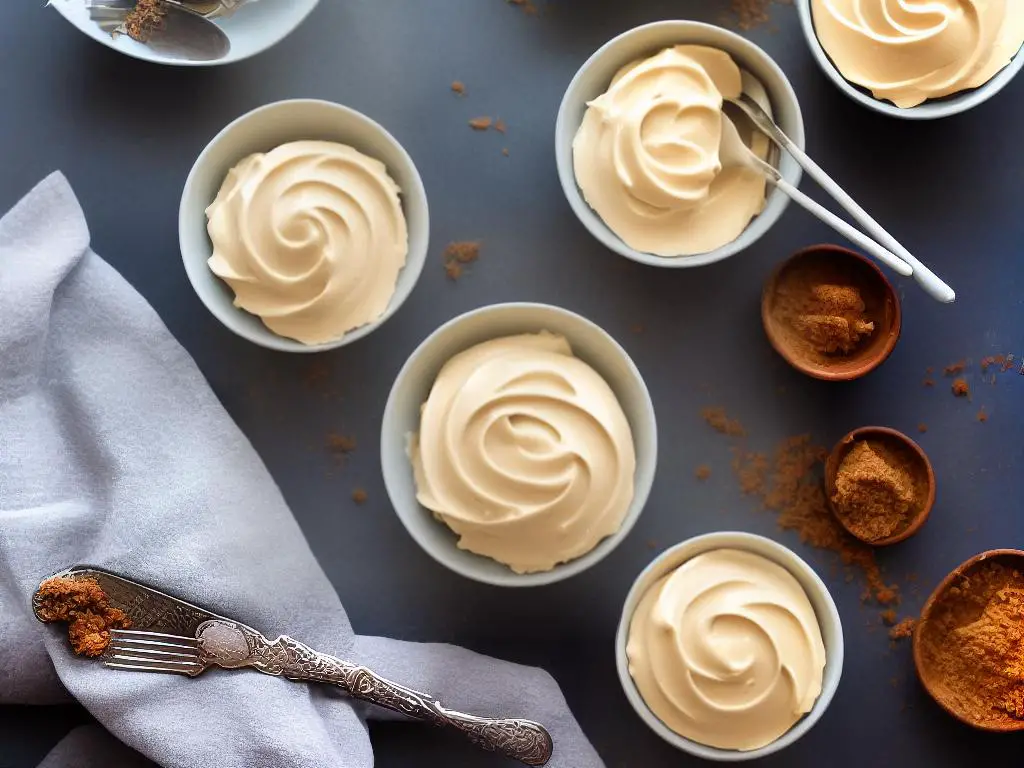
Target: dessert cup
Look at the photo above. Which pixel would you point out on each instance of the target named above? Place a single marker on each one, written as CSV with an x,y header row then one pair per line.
x,y
929,110
260,131
593,79
412,387
824,609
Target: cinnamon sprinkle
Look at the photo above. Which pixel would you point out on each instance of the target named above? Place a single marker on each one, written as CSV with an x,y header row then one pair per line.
x,y
790,485
144,19
459,254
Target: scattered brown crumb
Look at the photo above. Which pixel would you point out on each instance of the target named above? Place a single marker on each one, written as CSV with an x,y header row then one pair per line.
x,y
528,6
459,87
652,544
928,383
929,370
144,19
955,368
499,126
458,254
359,496
340,446
720,422
922,428
749,14
85,607
889,617
480,123
504,151
791,486
982,416
903,629
703,472
961,388
637,328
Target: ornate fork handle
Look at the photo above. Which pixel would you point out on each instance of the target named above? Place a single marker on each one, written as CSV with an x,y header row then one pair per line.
x,y
523,740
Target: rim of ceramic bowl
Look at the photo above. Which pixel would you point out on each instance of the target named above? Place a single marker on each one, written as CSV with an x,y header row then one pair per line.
x,y
93,31
227,313
395,434
817,593
842,448
926,613
929,110
820,372
680,32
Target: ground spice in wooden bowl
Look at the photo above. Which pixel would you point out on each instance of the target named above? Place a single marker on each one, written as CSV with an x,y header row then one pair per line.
x,y
969,644
880,485
83,604
831,313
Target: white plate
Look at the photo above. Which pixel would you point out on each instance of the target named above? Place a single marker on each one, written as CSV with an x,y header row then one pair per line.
x,y
251,30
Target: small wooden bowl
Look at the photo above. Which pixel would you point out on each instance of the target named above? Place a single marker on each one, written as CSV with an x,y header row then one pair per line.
x,y
883,307
1011,557
893,437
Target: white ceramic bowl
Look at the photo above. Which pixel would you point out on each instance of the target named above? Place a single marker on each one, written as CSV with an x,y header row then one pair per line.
x,y
592,80
259,131
929,110
413,385
824,609
252,29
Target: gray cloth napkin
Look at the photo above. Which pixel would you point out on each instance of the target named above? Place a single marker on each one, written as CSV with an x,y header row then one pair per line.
x,y
114,452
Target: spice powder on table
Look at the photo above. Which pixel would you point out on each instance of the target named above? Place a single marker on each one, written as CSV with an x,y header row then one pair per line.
x,y
83,604
789,483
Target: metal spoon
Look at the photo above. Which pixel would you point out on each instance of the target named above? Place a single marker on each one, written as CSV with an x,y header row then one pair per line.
x,y
928,280
735,153
184,34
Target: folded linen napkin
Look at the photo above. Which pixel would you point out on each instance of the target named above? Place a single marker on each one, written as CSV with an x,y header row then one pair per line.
x,y
114,452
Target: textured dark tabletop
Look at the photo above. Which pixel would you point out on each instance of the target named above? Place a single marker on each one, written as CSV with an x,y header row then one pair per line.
x,y
126,134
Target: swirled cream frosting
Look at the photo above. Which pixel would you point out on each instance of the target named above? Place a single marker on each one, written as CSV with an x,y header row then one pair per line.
x,y
908,51
311,237
524,452
646,156
726,650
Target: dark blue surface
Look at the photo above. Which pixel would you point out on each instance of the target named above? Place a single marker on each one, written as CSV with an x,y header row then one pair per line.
x,y
126,134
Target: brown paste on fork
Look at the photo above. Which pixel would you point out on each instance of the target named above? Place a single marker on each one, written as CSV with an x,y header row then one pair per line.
x,y
85,608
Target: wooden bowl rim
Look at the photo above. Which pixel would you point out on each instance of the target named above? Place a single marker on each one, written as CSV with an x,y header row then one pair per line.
x,y
926,613
843,447
817,372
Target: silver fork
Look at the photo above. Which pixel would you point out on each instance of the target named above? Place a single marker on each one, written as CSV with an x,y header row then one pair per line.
x,y
228,644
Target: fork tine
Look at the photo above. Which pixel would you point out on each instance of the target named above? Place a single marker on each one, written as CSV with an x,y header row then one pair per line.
x,y
139,634
182,663
156,644
147,667
153,653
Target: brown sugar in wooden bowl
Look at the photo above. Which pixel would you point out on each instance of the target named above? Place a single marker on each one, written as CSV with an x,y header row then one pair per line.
x,y
817,308
967,644
886,468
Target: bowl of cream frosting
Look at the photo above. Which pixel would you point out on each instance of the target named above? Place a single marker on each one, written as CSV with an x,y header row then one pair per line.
x,y
303,226
730,646
519,444
916,59
638,139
